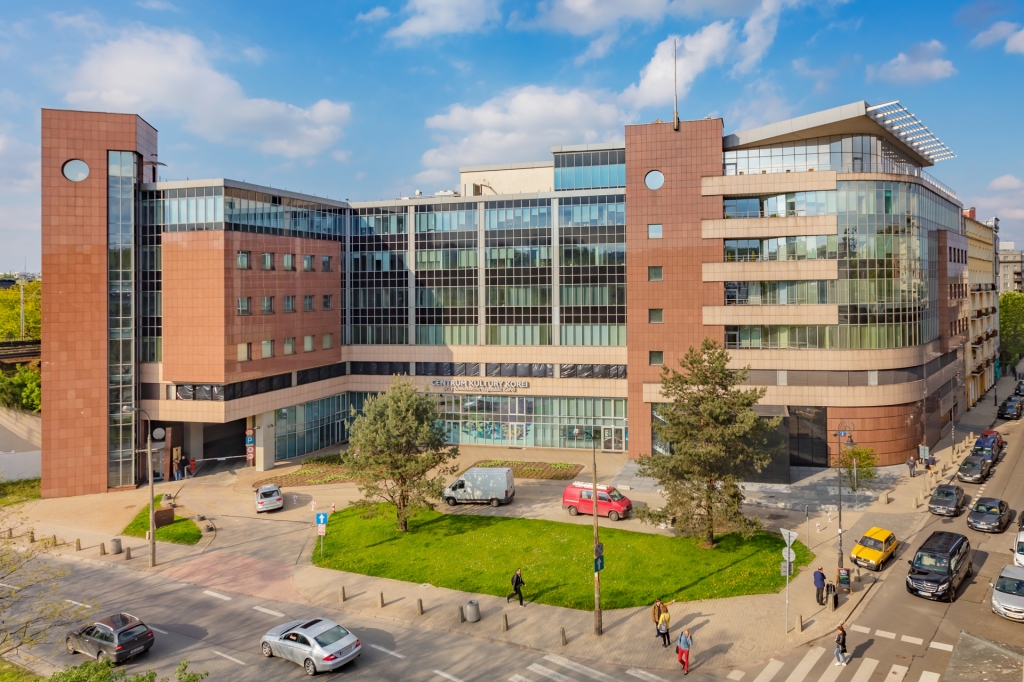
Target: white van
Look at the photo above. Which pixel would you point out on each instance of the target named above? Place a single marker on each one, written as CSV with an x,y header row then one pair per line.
x,y
1018,550
488,485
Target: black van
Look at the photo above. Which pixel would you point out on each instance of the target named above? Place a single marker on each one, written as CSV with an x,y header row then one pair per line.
x,y
940,566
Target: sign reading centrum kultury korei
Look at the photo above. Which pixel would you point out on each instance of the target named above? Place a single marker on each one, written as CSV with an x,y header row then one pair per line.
x,y
479,385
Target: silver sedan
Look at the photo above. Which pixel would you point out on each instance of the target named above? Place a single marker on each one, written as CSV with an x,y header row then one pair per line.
x,y
317,645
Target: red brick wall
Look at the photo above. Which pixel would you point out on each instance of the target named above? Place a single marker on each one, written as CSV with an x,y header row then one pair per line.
x,y
684,157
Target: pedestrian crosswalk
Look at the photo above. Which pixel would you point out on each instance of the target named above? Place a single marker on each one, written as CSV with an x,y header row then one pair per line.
x,y
816,665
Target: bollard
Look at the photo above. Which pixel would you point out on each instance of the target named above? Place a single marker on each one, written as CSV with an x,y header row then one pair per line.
x,y
10,533
31,536
462,615
55,540
504,622
380,600
127,553
917,502
103,549
419,607
78,545
856,576
884,498
799,623
341,595
564,640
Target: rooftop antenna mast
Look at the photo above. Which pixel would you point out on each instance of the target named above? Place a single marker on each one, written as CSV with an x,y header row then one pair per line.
x,y
675,86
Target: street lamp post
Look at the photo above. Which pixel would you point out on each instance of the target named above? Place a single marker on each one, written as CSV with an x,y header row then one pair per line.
x,y
128,409
578,432
842,429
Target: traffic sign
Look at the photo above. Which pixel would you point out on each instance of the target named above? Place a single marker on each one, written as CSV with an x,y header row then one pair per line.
x,y
785,568
250,440
788,554
321,530
599,550
250,432
321,518
598,564
789,536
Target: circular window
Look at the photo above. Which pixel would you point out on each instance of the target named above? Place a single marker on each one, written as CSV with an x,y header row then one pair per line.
x,y
76,170
654,180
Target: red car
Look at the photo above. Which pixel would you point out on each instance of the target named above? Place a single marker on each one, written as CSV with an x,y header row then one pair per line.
x,y
992,433
578,498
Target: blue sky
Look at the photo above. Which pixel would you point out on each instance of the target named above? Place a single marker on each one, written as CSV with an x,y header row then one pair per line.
x,y
371,100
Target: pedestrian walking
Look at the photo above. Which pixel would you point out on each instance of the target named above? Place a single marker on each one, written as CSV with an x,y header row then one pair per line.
x,y
683,646
182,465
912,466
663,627
841,657
659,608
819,586
517,587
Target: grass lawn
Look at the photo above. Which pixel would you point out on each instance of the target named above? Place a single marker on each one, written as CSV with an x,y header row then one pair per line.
x,y
183,531
10,672
480,553
13,492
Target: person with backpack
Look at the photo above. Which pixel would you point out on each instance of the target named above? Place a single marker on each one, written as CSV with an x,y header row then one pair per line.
x,y
517,587
663,627
841,657
683,646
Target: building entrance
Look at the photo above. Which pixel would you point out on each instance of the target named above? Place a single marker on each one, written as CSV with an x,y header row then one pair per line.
x,y
613,439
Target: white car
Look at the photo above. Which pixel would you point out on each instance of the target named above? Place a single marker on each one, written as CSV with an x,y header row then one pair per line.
x,y
268,497
1018,550
317,645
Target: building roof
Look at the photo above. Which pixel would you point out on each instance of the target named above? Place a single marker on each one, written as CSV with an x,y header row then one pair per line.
x,y
890,120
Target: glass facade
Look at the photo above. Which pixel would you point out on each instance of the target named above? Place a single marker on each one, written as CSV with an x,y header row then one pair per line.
x,y
378,245
805,292
822,202
302,429
447,274
814,247
590,170
843,153
122,184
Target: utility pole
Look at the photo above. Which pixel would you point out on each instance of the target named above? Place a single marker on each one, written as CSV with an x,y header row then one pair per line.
x,y
21,285
598,629
152,494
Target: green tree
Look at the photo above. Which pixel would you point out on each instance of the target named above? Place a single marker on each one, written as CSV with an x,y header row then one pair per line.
x,y
716,439
1011,324
104,671
865,459
398,453
10,312
21,390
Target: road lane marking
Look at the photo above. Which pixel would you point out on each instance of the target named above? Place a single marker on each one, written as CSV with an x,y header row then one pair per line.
x,y
548,673
886,634
387,651
804,666
896,673
863,673
769,671
929,677
10,587
447,676
912,640
77,603
644,675
940,645
230,658
518,678
736,675
832,673
583,670
268,611
163,632
860,628
217,595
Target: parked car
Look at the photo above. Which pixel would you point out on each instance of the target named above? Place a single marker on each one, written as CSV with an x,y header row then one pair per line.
x,y
578,498
268,497
487,485
987,448
317,645
1020,388
947,500
1008,593
942,563
989,515
974,469
992,433
1009,409
116,638
1018,549
874,549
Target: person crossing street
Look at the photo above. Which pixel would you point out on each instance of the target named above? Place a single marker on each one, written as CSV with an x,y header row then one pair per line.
x,y
517,587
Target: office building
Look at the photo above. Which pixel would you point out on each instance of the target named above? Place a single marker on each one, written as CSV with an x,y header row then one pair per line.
x,y
537,302
982,267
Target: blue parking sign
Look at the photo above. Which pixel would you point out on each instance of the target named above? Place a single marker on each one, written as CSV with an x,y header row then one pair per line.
x,y
321,518
250,440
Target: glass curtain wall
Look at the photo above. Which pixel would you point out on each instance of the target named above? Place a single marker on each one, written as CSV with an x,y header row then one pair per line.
x,y
122,182
592,271
447,274
590,170
150,283
302,429
379,275
843,153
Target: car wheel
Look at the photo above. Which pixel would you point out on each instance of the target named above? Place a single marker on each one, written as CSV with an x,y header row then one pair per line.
x,y
613,516
267,651
69,644
495,502
573,511
452,501
102,657
309,667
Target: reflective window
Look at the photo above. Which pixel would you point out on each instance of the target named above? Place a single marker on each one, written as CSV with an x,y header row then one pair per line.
x,y
590,170
654,231
654,179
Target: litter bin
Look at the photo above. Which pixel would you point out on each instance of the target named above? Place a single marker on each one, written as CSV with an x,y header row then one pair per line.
x,y
473,611
115,546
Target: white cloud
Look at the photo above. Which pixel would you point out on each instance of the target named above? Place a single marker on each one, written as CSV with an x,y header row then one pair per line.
x,y
696,52
698,8
759,32
1001,30
19,165
762,103
823,77
1015,43
375,14
158,5
583,17
439,17
84,23
1005,183
256,55
170,74
923,62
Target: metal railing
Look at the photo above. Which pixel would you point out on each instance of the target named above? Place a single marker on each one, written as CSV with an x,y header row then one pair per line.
x,y
883,166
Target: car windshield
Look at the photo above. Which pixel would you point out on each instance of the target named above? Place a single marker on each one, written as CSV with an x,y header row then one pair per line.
x,y
931,562
1020,547
329,637
1010,585
615,495
944,495
984,508
268,494
870,543
983,449
968,466
132,632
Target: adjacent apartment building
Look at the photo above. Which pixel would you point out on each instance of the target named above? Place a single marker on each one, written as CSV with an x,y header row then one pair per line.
x,y
1009,267
982,266
539,302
